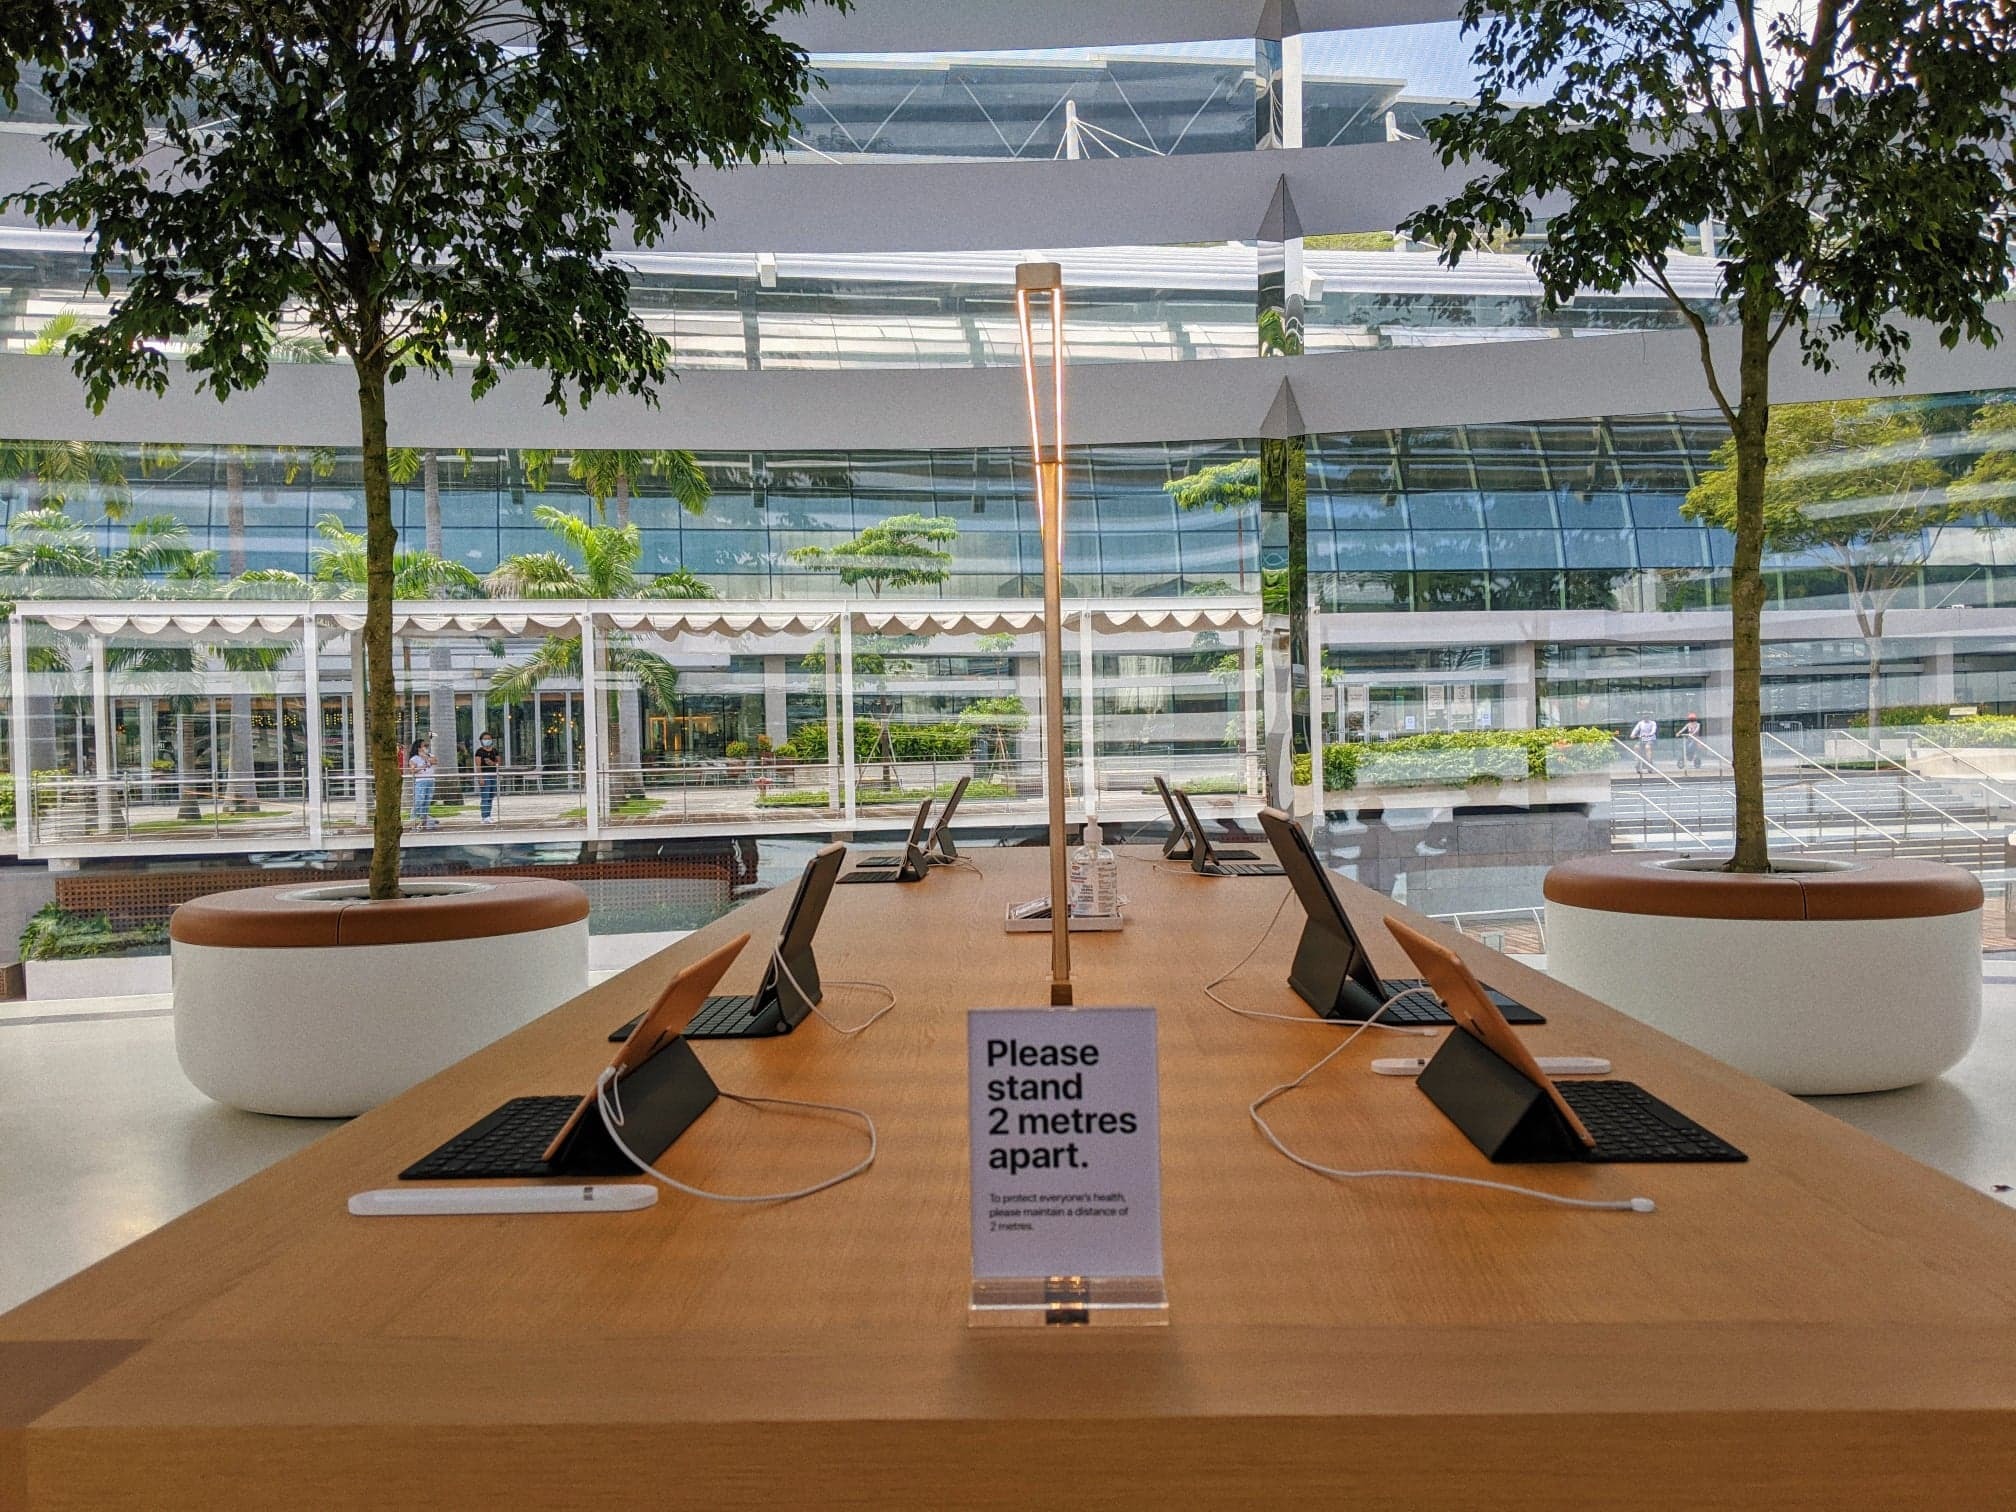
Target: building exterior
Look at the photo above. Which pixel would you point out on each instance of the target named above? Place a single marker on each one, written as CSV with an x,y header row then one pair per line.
x,y
1489,497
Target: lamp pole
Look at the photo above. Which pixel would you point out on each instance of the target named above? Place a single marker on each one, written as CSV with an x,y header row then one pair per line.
x,y
1044,283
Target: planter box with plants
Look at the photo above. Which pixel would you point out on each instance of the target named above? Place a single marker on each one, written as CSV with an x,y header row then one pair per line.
x,y
1467,766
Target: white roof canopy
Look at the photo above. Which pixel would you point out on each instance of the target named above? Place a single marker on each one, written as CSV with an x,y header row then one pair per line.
x,y
660,616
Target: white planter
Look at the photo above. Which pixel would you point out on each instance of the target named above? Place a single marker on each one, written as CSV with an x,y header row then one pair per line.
x,y
328,1031
1810,1005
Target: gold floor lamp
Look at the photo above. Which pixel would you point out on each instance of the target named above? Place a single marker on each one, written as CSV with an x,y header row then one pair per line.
x,y
1043,283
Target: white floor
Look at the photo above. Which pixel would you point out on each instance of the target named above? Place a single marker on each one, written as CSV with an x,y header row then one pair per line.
x,y
101,1139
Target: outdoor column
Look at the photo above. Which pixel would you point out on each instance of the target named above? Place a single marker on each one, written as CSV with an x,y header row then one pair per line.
x,y
846,715
1522,689
101,733
311,685
17,746
1088,800
776,720
146,748
1317,688
592,714
831,636
1939,687
359,702
479,713
1249,715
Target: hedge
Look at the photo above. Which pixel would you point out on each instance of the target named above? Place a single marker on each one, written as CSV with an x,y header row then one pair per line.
x,y
932,742
1460,758
54,934
1976,730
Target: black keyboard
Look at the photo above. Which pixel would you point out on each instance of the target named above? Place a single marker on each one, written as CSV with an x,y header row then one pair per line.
x,y
1247,869
1631,1125
716,1019
510,1142
727,1018
1414,1011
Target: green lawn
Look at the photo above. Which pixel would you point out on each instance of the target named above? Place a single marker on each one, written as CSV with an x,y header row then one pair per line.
x,y
225,816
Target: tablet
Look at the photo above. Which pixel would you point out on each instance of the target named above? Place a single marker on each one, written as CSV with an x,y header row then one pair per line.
x,y
660,1026
1472,1009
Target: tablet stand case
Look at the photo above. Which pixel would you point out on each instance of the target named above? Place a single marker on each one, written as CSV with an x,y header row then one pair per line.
x,y
659,1101
1497,1108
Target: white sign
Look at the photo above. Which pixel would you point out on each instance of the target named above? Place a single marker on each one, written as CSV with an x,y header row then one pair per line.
x,y
1066,1142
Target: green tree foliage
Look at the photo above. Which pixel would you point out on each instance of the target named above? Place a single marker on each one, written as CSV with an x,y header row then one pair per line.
x,y
1864,486
1851,153
608,476
899,552
423,182
595,561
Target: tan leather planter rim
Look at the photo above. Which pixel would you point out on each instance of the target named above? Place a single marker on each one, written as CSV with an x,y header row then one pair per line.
x,y
281,918
1641,883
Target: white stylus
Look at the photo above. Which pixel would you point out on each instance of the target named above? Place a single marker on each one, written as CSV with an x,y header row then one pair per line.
x,y
1553,1065
396,1202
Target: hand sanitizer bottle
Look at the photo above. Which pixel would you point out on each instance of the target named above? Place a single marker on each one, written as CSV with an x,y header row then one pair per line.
x,y
1095,875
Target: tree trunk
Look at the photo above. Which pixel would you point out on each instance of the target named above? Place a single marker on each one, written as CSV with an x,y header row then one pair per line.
x,y
381,720
1746,591
186,806
440,659
1875,645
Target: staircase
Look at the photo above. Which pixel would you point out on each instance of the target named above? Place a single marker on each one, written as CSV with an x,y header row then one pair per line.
x,y
1818,816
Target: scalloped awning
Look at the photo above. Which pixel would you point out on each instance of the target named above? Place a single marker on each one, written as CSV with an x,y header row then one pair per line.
x,y
663,617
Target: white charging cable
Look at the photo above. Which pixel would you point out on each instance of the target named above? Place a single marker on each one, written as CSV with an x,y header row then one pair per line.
x,y
1622,1205
834,1024
1210,991
608,1100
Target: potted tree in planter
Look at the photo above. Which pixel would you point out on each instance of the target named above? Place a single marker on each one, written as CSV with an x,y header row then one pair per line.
x,y
428,188
1847,164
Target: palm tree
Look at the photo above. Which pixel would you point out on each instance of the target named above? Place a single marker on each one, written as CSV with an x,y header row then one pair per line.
x,y
49,554
340,566
610,474
607,556
405,464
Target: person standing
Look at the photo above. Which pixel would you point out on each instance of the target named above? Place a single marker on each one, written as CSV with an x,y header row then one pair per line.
x,y
1645,737
489,761
1690,742
421,763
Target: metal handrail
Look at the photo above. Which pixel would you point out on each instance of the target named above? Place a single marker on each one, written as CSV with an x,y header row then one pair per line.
x,y
1790,834
1538,916
1851,813
1674,820
1640,761
1873,750
1910,792
1819,766
1987,778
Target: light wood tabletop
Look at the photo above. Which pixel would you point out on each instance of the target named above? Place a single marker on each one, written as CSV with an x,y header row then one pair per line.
x,y
1830,1325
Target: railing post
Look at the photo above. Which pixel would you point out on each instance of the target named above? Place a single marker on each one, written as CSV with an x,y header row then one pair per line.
x,y
17,740
592,714
311,693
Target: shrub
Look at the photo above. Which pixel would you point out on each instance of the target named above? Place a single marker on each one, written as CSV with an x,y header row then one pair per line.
x,y
933,742
1460,758
54,934
737,749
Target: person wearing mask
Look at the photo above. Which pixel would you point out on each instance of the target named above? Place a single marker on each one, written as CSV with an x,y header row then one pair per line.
x,y
421,763
489,762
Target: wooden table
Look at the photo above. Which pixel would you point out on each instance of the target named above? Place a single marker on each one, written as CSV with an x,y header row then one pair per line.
x,y
1828,1326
